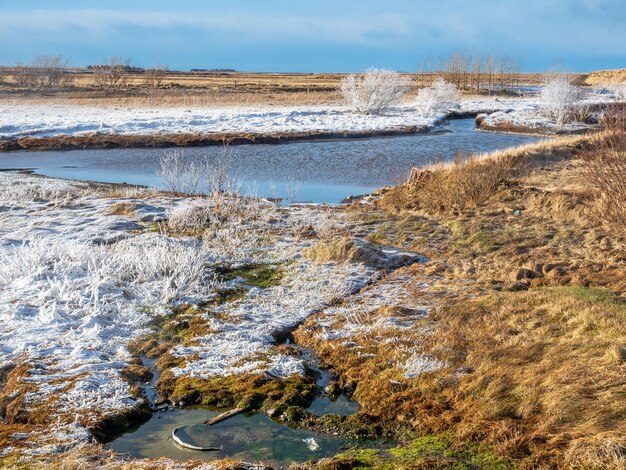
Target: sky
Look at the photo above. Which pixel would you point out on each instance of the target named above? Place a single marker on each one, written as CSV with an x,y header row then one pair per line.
x,y
317,35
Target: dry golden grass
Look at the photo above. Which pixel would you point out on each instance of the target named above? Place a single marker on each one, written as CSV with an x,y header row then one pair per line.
x,y
468,183
526,294
206,89
122,208
604,77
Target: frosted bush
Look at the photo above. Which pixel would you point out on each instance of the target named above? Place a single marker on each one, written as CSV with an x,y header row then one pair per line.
x,y
374,91
557,98
437,98
190,215
180,176
619,91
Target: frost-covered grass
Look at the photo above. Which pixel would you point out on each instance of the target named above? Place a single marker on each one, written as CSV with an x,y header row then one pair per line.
x,y
52,120
560,107
82,275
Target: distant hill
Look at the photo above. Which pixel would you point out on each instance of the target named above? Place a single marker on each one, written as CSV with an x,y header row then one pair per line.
x,y
603,77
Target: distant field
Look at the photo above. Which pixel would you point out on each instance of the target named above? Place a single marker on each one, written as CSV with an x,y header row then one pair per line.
x,y
206,89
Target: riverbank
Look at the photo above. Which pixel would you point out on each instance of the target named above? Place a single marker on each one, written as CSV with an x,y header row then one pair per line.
x,y
503,348
53,126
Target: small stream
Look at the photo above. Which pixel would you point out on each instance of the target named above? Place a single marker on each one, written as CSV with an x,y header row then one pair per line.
x,y
251,437
307,171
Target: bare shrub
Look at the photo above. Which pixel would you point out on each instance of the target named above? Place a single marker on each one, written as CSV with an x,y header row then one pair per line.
x,y
467,183
153,77
558,96
208,176
112,73
23,75
50,70
374,91
4,73
606,172
179,175
437,98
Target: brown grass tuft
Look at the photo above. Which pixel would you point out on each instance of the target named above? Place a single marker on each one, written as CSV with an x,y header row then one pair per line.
x,y
122,208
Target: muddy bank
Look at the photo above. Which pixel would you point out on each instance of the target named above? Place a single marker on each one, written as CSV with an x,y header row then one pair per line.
x,y
100,141
510,128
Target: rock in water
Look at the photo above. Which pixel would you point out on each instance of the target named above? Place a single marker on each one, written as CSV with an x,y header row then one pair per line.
x,y
311,443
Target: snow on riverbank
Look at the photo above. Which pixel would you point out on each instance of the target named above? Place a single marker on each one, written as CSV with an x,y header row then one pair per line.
x,y
52,120
21,120
531,114
25,120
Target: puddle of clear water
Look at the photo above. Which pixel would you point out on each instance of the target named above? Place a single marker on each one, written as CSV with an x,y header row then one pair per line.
x,y
251,438
324,404
341,406
318,171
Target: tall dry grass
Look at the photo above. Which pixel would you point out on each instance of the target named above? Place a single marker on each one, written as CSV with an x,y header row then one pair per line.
x,y
606,172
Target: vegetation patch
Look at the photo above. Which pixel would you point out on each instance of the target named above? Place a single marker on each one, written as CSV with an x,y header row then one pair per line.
x,y
435,451
255,275
247,391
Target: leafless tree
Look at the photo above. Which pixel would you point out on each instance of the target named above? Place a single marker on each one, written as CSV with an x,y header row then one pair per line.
x,y
23,75
153,77
50,70
472,70
112,73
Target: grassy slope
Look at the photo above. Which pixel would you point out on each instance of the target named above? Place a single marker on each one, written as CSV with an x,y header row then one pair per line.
x,y
536,366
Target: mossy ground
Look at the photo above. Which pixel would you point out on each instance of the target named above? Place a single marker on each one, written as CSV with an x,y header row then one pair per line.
x,y
435,451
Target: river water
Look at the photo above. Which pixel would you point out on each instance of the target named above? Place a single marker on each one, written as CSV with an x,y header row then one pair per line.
x,y
307,171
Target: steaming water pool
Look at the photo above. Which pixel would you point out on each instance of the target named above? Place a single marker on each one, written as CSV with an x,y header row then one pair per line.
x,y
317,171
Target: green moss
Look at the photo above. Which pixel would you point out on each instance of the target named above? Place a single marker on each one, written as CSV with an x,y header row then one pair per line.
x,y
472,238
251,392
426,446
256,275
435,451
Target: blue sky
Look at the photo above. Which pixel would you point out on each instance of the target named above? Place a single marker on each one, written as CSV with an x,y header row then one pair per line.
x,y
316,36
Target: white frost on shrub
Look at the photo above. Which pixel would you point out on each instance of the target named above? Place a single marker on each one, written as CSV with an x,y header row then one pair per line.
x,y
557,98
438,98
619,91
374,91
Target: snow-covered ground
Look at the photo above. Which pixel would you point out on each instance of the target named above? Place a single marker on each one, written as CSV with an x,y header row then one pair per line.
x,y
20,120
24,120
45,121
530,113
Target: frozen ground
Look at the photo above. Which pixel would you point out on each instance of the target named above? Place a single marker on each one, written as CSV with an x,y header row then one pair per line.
x,y
81,275
530,114
45,121
19,120
22,120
